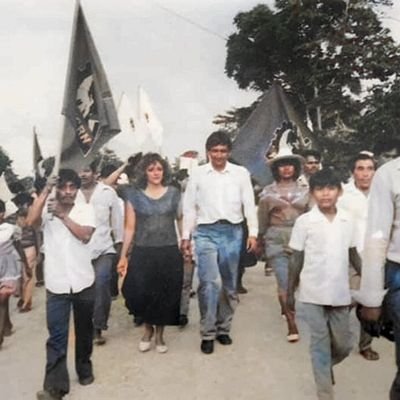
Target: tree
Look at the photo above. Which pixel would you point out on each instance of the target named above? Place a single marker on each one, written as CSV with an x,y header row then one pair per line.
x,y
322,53
5,161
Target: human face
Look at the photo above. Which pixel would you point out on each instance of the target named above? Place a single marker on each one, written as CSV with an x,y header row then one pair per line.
x,y
363,173
286,172
88,177
155,173
218,156
66,193
311,166
326,197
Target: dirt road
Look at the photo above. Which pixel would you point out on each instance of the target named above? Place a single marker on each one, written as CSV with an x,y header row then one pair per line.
x,y
259,365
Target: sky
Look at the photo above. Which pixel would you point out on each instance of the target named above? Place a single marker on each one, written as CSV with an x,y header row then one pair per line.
x,y
180,65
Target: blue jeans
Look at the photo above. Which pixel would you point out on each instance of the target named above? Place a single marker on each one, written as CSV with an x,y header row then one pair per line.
x,y
392,308
58,309
103,266
218,252
330,342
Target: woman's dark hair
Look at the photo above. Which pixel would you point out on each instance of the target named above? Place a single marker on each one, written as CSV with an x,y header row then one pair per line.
x,y
2,206
324,178
68,175
147,160
218,138
286,161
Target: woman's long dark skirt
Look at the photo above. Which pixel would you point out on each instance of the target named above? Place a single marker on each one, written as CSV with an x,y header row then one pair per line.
x,y
153,284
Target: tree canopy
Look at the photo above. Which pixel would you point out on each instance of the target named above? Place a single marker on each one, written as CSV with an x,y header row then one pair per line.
x,y
334,57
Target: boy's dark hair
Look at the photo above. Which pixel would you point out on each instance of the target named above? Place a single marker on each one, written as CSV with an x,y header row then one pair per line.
x,y
286,161
359,157
325,177
2,206
312,153
147,160
218,138
68,175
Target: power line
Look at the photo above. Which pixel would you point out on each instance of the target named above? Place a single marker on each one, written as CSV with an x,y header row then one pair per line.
x,y
189,21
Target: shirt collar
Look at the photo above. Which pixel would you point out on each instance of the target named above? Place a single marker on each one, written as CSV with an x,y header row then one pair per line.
x,y
317,216
228,168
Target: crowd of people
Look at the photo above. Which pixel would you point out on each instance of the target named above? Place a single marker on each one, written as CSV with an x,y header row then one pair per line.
x,y
318,235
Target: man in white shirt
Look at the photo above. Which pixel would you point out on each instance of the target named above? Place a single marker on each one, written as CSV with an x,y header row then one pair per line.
x,y
355,201
103,244
69,277
217,198
381,261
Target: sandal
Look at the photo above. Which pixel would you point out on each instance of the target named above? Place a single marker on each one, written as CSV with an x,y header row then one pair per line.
x,y
369,354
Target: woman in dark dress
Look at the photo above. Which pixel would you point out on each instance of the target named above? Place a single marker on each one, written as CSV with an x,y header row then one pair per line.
x,y
153,275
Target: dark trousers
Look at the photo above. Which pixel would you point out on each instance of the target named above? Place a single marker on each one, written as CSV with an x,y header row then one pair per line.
x,y
392,306
58,309
103,266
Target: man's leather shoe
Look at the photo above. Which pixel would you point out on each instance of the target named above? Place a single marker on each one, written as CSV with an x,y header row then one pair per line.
x,y
207,346
86,381
224,339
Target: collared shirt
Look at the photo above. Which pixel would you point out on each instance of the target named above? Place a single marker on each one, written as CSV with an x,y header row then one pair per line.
x,y
214,195
324,278
109,219
68,263
382,239
355,202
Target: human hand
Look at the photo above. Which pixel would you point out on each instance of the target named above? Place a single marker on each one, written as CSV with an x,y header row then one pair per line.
x,y
122,266
251,244
186,248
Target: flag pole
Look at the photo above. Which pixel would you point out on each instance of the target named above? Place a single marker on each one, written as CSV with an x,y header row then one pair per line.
x,y
69,65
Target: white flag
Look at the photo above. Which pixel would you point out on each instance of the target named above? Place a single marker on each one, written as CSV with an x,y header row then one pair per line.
x,y
129,141
148,119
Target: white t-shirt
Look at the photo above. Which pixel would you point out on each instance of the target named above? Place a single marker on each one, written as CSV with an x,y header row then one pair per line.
x,y
324,278
68,266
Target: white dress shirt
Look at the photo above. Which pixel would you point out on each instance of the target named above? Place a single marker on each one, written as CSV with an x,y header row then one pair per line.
x,y
355,202
324,279
213,195
382,240
68,262
109,219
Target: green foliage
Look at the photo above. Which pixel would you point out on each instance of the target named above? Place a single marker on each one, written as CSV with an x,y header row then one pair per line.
x,y
5,160
321,52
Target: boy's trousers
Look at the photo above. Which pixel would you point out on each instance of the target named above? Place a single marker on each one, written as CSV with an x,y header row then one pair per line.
x,y
330,342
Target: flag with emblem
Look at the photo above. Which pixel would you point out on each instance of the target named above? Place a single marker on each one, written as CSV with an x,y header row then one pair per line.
x,y
273,121
90,114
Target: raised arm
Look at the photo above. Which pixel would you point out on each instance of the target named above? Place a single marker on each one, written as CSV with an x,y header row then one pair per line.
x,y
34,217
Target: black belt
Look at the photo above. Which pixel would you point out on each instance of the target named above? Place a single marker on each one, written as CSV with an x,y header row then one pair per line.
x,y
221,222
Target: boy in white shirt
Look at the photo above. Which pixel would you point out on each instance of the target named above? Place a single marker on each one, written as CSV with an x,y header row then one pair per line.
x,y
322,241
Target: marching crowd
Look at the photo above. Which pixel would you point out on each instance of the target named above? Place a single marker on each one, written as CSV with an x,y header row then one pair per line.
x,y
327,243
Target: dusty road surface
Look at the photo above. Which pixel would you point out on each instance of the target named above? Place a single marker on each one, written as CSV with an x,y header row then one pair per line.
x,y
259,365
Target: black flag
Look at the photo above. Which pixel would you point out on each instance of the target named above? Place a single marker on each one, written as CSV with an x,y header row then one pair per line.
x,y
273,116
91,117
